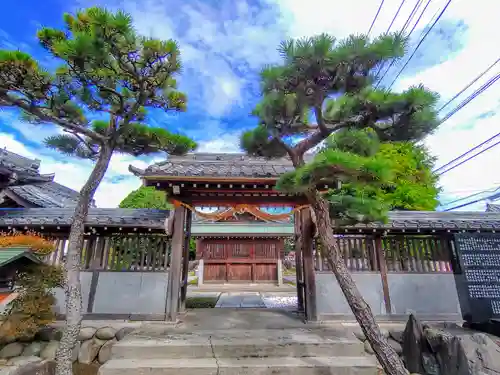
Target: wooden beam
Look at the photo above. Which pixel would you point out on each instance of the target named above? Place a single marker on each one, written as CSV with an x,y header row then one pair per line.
x,y
298,262
383,273
309,274
174,276
185,261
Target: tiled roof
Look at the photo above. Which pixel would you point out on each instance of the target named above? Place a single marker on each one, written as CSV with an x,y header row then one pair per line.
x,y
492,207
217,165
25,182
46,194
19,169
437,220
149,218
117,217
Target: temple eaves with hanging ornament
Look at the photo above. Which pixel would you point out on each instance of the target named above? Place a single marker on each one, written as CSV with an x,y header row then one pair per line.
x,y
221,180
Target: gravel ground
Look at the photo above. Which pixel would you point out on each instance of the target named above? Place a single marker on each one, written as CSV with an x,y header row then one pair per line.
x,y
280,302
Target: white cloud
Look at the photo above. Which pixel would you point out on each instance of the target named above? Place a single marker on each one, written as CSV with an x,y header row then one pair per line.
x,y
34,133
463,130
216,48
73,173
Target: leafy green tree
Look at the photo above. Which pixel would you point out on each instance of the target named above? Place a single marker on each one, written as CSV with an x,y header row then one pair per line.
x,y
412,185
146,197
332,80
108,78
149,197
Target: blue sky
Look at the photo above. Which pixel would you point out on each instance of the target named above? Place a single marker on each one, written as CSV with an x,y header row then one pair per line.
x,y
224,45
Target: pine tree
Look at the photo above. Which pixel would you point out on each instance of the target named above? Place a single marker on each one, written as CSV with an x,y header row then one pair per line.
x,y
109,76
332,81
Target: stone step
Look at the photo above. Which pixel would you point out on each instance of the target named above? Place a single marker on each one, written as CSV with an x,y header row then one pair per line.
x,y
241,344
244,366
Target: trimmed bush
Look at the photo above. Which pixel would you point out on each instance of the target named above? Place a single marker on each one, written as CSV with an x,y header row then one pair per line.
x,y
201,302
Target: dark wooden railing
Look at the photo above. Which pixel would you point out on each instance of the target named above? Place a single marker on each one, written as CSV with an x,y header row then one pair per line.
x,y
118,252
400,253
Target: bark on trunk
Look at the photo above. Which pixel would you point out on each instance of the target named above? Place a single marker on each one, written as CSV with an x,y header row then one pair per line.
x,y
72,287
385,354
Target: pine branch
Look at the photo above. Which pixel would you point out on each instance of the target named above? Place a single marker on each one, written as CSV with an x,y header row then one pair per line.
x,y
46,116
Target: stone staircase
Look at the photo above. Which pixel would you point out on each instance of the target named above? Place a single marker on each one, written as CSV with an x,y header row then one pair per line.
x,y
297,351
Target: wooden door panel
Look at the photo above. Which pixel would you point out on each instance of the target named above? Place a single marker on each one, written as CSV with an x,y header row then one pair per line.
x,y
239,272
243,260
266,272
214,272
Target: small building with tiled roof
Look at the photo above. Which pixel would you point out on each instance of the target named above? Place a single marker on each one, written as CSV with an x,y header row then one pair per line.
x,y
22,185
491,207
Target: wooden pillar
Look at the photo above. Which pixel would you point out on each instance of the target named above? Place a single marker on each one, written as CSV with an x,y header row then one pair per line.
x,y
185,261
298,262
309,273
383,273
174,276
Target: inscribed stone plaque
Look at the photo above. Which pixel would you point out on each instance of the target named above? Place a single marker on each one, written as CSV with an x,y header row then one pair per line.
x,y
479,256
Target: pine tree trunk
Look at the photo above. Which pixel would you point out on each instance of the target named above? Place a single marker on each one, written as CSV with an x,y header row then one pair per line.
x,y
385,354
72,286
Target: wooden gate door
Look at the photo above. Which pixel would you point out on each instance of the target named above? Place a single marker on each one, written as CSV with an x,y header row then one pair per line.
x,y
240,261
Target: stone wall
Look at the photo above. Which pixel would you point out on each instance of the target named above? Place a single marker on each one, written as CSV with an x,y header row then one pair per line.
x,y
93,348
429,296
121,295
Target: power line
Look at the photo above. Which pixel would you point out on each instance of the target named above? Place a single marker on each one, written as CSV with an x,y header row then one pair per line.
x,y
421,41
395,16
400,33
470,158
469,85
492,196
465,153
483,189
410,17
471,97
421,14
375,18
409,34
472,195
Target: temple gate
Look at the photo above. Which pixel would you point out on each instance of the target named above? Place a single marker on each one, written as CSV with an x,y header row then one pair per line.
x,y
230,181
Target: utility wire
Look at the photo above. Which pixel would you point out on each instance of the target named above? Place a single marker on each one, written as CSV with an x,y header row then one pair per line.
x,y
410,17
471,97
494,195
466,101
469,158
409,34
465,153
375,18
420,17
395,16
481,190
400,33
472,195
469,85
421,41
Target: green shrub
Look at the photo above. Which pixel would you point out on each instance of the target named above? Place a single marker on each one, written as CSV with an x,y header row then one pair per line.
x,y
201,302
33,308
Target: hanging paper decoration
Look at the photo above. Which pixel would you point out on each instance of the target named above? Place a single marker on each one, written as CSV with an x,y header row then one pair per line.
x,y
239,209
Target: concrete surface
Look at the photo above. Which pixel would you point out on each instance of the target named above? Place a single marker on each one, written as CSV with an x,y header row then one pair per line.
x,y
430,296
131,293
425,294
240,341
236,343
245,366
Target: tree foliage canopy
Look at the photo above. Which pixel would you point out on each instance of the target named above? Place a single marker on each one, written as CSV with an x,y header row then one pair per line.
x,y
146,197
108,77
331,81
